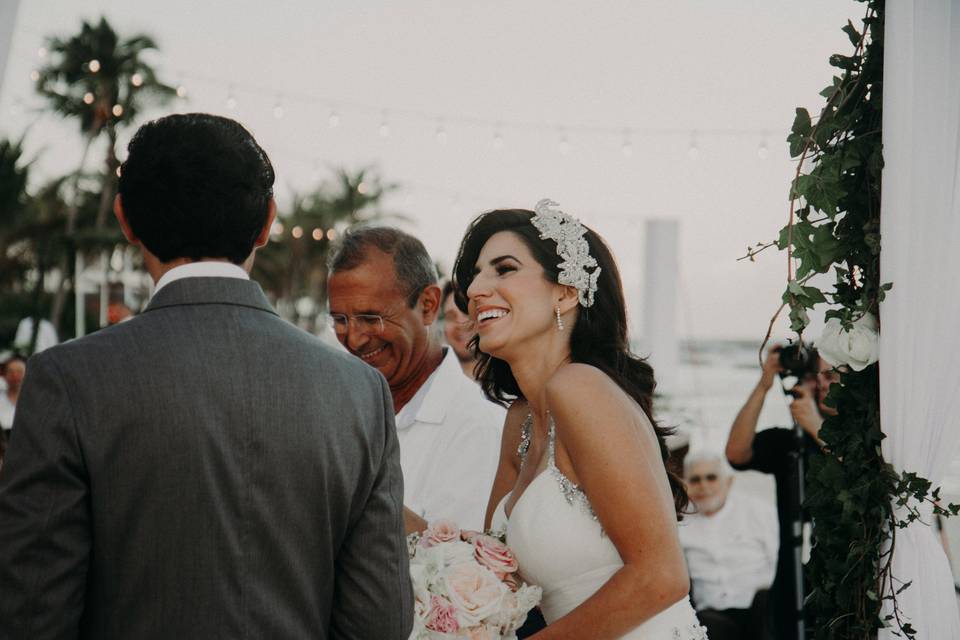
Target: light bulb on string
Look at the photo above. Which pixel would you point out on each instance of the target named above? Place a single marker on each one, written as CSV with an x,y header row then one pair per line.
x,y
42,52
362,188
117,110
136,80
331,234
34,75
762,150
497,138
334,120
693,151
627,147
94,65
181,91
297,232
317,234
277,228
88,98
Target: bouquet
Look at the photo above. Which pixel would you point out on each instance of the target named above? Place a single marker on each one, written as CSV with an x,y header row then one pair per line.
x,y
465,585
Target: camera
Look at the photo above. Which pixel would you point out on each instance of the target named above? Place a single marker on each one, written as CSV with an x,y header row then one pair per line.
x,y
799,360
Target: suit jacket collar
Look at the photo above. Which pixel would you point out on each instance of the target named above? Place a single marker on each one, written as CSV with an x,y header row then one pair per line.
x,y
201,290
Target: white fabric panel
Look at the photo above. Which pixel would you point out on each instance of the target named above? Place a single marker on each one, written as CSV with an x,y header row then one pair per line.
x,y
920,226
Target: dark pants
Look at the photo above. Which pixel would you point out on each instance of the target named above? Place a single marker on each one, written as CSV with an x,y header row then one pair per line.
x,y
534,623
738,624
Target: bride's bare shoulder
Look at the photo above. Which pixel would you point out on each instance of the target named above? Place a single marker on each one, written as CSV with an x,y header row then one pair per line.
x,y
581,394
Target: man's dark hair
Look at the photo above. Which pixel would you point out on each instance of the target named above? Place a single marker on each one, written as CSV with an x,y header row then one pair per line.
x,y
411,262
12,357
195,186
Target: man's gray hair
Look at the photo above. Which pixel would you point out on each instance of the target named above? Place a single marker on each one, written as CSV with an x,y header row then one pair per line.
x,y
707,455
414,268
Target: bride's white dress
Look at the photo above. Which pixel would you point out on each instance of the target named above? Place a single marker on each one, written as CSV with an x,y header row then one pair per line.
x,y
561,547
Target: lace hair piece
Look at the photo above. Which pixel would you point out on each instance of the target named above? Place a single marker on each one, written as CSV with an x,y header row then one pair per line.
x,y
572,247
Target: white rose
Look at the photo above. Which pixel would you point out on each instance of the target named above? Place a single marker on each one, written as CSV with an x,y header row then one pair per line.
x,y
857,348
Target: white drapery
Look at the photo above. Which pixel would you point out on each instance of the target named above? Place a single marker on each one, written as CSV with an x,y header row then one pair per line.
x,y
920,227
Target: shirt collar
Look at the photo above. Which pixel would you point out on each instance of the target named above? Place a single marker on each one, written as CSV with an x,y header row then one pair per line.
x,y
206,269
432,400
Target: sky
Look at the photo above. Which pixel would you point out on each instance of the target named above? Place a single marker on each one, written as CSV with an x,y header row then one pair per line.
x,y
500,104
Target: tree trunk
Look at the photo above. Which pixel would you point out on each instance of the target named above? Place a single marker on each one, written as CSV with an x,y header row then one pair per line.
x,y
66,260
109,187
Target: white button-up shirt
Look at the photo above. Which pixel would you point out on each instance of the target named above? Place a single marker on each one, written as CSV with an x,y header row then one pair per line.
x,y
206,269
733,553
449,437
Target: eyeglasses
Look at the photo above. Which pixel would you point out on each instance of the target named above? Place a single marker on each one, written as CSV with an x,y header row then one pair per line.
x,y
710,477
366,323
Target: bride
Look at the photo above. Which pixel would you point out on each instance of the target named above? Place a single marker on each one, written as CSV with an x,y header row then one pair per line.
x,y
590,509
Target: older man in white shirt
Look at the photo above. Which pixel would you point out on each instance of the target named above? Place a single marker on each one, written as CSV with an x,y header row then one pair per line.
x,y
383,297
730,544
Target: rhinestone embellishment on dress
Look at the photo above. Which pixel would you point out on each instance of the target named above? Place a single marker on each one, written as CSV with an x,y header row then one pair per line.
x,y
526,431
573,494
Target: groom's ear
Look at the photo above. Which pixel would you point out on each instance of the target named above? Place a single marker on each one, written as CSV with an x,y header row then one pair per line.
x,y
264,236
122,219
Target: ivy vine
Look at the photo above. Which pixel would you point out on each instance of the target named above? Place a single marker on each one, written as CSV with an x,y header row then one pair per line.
x,y
835,226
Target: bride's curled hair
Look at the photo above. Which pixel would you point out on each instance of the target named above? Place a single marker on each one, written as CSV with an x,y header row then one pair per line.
x,y
599,336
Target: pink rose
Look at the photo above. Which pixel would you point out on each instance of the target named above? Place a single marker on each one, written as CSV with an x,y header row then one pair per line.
x,y
494,555
440,531
443,616
474,590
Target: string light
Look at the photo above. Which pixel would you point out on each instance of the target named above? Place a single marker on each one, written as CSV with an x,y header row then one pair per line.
x,y
497,137
331,234
277,228
297,232
762,151
34,75
117,110
627,148
693,151
136,80
317,234
88,98
42,52
181,91
362,188
334,120
119,173
94,65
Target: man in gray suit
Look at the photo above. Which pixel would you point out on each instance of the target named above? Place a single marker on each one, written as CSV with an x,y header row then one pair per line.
x,y
205,470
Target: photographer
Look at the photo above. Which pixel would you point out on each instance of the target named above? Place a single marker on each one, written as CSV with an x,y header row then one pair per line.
x,y
774,451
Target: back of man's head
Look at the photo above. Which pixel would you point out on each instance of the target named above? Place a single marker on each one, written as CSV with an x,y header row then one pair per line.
x,y
196,186
412,264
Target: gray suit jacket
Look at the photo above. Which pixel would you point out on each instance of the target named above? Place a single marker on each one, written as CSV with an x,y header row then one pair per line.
x,y
205,470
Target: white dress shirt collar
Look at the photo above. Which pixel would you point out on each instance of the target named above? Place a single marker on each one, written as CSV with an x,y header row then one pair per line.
x,y
206,269
433,397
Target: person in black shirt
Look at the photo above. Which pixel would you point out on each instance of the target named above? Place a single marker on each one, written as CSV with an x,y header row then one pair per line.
x,y
771,451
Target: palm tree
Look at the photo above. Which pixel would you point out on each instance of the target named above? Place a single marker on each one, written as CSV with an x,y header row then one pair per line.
x,y
103,83
293,265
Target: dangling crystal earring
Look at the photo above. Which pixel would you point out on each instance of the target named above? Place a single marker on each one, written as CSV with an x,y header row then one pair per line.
x,y
559,319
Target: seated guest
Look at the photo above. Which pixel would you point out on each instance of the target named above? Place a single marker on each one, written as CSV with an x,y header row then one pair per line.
x,y
13,368
384,297
730,544
457,329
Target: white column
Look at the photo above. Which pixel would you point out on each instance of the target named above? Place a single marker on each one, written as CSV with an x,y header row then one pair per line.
x,y
8,19
660,300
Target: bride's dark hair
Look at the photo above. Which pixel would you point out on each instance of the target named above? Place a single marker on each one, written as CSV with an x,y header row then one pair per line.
x,y
599,336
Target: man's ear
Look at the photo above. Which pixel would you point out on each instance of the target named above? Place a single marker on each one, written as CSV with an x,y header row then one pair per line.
x,y
264,236
122,219
430,303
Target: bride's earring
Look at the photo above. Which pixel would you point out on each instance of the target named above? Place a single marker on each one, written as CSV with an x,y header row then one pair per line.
x,y
559,319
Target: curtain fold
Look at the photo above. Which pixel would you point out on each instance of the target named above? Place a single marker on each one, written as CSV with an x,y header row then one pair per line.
x,y
920,319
